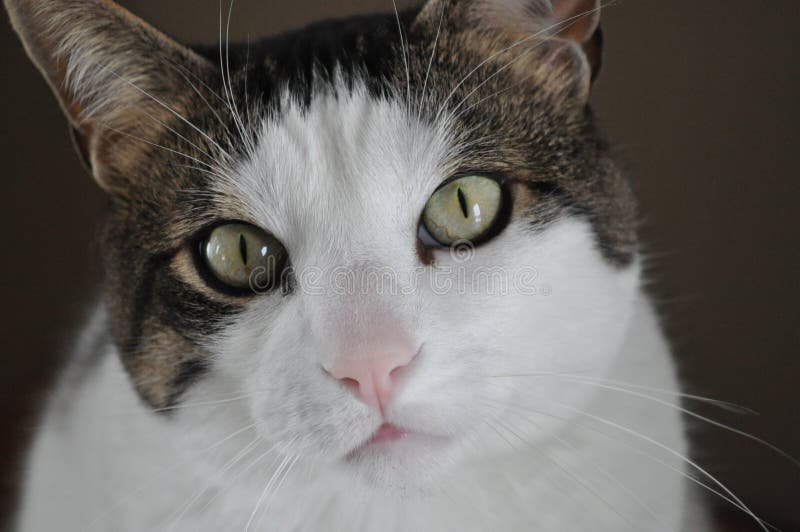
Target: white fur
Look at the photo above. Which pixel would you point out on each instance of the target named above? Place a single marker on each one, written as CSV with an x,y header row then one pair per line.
x,y
343,184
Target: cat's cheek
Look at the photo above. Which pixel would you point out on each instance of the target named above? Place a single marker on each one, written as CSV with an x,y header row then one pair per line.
x,y
569,319
575,311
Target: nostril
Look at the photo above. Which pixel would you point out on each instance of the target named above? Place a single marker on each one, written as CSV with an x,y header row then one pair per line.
x,y
351,384
397,372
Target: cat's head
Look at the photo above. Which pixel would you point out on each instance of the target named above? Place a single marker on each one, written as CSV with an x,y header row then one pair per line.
x,y
352,235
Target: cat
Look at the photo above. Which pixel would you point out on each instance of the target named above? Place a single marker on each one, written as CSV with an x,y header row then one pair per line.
x,y
378,273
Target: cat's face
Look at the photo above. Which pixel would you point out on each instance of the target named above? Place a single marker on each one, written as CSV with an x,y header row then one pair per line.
x,y
360,238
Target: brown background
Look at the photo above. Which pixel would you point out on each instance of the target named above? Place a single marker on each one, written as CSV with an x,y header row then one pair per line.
x,y
701,93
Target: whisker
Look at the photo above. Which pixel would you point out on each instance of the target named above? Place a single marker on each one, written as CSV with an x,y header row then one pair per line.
x,y
686,411
430,63
629,492
265,490
496,73
155,145
671,451
231,398
694,415
246,70
561,25
186,72
726,405
122,500
179,135
197,91
404,49
280,482
239,474
227,86
170,109
655,459
182,406
504,50
217,175
575,477
237,116
226,467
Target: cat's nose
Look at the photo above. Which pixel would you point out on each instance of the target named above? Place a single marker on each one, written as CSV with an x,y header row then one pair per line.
x,y
373,380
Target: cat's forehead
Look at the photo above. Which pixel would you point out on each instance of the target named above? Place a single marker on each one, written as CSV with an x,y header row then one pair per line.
x,y
357,122
353,128
346,166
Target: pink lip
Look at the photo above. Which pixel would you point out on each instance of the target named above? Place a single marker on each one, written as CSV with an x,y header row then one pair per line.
x,y
387,433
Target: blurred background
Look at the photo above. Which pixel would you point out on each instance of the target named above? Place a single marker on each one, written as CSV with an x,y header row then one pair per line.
x,y
702,98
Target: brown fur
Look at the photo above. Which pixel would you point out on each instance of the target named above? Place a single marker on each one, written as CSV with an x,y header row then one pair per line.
x,y
524,116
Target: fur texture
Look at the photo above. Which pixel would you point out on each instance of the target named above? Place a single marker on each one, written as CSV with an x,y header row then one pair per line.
x,y
207,410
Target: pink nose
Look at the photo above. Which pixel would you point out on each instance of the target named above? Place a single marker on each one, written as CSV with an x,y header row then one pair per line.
x,y
373,380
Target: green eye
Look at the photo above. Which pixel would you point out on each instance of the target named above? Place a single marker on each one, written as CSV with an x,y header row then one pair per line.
x,y
464,209
243,256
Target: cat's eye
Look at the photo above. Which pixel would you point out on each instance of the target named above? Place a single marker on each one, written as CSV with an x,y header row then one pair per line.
x,y
466,208
243,257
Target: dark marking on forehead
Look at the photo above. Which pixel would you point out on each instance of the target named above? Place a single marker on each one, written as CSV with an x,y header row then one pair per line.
x,y
520,111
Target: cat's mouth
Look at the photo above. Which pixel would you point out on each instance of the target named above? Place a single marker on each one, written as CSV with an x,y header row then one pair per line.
x,y
399,457
385,435
389,435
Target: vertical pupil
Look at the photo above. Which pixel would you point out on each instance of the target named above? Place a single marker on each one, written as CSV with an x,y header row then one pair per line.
x,y
462,201
243,248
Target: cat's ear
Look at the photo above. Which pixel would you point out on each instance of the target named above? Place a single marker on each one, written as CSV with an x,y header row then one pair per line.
x,y
579,22
114,75
565,34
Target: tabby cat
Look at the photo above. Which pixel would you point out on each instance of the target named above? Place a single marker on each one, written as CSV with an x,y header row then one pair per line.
x,y
380,273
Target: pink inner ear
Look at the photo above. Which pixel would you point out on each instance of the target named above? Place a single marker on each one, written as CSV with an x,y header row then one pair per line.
x,y
578,19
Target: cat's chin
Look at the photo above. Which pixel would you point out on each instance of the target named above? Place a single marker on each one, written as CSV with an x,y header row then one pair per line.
x,y
407,464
